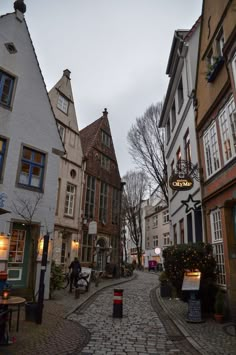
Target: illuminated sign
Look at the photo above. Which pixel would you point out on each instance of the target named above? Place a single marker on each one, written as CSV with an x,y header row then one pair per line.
x,y
180,183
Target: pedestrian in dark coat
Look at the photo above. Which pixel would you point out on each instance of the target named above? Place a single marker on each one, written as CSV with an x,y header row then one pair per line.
x,y
75,268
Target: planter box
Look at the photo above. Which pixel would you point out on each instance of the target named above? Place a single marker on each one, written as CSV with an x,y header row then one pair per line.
x,y
31,311
214,71
165,290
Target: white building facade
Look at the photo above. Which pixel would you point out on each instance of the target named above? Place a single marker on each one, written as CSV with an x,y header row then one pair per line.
x,y
67,236
178,118
30,149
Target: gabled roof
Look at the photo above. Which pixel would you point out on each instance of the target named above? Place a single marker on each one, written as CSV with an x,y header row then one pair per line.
x,y
89,134
62,149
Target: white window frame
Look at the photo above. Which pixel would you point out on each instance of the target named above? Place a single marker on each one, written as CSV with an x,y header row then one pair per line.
x,y
218,247
70,200
63,104
227,122
165,216
166,239
155,240
155,221
62,131
211,147
233,64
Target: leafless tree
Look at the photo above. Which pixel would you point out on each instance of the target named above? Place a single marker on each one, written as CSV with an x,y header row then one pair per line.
x,y
26,209
146,147
134,193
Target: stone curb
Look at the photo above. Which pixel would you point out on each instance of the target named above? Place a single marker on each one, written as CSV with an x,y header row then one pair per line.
x,y
179,324
99,289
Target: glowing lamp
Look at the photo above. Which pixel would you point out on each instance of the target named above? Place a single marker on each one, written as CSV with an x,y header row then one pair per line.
x,y
5,294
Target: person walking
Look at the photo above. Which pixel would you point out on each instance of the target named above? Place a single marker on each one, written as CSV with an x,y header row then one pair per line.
x,y
75,268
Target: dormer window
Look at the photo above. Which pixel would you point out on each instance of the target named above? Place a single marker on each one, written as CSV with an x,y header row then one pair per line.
x,y
63,104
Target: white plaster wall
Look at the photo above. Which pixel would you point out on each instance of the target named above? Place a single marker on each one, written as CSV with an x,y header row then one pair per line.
x,y
30,122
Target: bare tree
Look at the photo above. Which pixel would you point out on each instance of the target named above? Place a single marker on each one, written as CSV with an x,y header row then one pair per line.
x,y
26,209
134,193
146,141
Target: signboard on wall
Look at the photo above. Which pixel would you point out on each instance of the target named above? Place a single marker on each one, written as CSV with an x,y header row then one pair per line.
x,y
92,228
180,183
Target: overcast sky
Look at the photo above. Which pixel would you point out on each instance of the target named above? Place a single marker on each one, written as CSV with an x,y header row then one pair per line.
x,y
116,50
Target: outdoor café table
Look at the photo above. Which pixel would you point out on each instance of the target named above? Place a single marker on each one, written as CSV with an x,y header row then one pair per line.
x,y
14,301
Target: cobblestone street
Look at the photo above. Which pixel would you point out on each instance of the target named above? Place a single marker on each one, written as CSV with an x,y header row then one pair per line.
x,y
140,331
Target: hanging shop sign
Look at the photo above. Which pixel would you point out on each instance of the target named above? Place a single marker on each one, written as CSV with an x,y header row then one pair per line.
x,y
180,183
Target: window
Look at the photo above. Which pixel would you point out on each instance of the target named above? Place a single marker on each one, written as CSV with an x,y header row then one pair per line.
x,y
106,139
61,131
103,203
166,239
234,68
180,92
168,131
217,240
187,147
178,159
155,221
17,246
155,240
227,120
2,154
173,115
63,104
70,200
115,206
175,234
165,216
181,231
6,88
63,253
90,197
211,150
105,162
87,247
220,43
209,58
32,168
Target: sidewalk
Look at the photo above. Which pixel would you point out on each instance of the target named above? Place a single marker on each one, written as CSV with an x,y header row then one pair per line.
x,y
56,335
207,337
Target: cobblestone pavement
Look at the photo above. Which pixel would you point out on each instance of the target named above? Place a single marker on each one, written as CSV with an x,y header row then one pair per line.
x,y
208,337
140,331
150,325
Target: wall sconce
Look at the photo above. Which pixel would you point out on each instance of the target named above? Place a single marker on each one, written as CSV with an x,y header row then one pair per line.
x,y
4,246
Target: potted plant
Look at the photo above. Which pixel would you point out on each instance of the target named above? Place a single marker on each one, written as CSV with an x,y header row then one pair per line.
x,y
165,287
219,306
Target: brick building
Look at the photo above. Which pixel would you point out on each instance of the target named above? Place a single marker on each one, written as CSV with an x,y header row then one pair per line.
x,y
101,197
216,134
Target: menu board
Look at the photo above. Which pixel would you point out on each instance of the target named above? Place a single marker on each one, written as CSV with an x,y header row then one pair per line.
x,y
191,281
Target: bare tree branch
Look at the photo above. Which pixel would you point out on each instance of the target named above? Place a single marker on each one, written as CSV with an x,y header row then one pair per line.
x,y
147,143
134,193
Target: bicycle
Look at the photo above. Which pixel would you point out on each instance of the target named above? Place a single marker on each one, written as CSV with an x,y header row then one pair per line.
x,y
66,280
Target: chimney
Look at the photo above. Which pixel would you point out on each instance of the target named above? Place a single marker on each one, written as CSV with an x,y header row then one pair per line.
x,y
20,6
66,73
105,113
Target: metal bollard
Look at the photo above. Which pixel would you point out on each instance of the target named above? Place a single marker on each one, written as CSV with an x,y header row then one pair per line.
x,y
77,293
118,303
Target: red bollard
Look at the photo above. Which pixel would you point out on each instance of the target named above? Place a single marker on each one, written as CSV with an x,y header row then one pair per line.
x,y
118,303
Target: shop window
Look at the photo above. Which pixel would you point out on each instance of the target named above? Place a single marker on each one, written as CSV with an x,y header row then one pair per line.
x,y
17,246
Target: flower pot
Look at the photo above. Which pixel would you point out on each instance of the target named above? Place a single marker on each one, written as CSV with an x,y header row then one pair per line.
x,y
31,311
219,318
